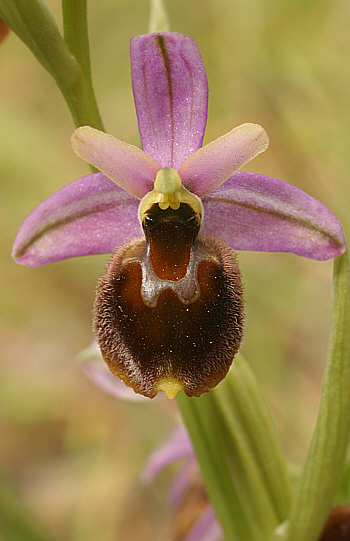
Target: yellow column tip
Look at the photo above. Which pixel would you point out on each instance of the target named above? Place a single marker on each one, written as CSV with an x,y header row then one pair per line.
x,y
170,386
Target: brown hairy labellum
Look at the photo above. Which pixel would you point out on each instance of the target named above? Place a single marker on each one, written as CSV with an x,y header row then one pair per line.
x,y
169,310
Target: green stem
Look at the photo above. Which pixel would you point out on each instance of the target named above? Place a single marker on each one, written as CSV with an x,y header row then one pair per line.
x,y
241,461
325,461
76,36
35,25
158,21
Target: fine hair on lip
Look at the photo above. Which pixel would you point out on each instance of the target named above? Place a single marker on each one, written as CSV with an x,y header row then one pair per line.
x,y
192,343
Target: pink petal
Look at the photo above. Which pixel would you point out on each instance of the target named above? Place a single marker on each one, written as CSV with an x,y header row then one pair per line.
x,y
214,163
254,212
182,482
206,528
128,166
171,95
89,216
177,445
98,372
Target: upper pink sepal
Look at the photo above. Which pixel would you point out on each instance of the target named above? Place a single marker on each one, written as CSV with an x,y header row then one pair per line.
x,y
171,95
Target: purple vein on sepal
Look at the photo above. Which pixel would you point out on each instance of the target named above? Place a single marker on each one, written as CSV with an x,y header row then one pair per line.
x,y
164,52
59,223
287,217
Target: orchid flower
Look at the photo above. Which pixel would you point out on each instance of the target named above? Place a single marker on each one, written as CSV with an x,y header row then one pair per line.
x,y
169,310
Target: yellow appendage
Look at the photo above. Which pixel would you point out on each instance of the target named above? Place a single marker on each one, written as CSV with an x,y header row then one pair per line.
x,y
170,386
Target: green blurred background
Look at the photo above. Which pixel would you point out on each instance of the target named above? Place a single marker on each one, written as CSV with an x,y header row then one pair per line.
x,y
69,454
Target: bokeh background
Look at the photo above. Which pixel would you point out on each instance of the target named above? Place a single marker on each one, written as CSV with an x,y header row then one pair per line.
x,y
70,456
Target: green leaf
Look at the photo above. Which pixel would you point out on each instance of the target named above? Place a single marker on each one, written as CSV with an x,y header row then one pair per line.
x,y
240,457
343,494
324,465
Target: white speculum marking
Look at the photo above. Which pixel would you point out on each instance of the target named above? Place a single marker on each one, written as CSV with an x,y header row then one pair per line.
x,y
169,192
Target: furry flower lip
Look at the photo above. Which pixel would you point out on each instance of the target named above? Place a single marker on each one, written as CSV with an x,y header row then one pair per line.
x,y
169,310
